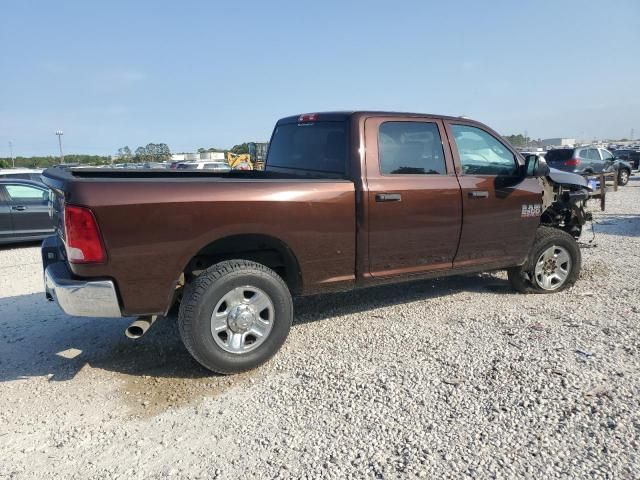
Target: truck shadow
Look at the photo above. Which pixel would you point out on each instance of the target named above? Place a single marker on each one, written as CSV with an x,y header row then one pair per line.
x,y
38,340
619,224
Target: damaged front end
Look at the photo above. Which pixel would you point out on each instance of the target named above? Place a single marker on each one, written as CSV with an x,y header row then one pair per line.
x,y
564,200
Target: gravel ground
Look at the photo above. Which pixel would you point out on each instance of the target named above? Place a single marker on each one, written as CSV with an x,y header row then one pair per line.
x,y
436,379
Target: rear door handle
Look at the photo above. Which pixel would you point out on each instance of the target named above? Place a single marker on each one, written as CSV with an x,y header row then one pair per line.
x,y
388,197
478,194
19,208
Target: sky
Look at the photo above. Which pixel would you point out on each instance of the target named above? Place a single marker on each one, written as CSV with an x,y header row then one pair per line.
x,y
217,73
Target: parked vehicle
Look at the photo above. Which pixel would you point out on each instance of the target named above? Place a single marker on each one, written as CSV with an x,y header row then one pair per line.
x,y
630,156
24,211
623,168
22,173
582,160
213,166
153,165
347,200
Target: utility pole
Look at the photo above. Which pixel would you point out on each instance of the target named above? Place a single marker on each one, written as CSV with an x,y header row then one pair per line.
x,y
59,133
13,160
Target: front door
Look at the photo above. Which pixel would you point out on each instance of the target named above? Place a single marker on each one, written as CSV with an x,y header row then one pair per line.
x,y
501,207
6,229
414,207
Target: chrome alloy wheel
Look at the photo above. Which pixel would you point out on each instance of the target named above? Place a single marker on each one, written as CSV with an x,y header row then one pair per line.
x,y
552,268
624,177
242,319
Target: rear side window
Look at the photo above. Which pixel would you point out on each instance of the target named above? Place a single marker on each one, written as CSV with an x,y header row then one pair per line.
x,y
592,154
314,147
27,194
410,148
481,153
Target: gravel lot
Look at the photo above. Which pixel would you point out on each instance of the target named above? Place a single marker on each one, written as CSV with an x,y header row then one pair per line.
x,y
436,379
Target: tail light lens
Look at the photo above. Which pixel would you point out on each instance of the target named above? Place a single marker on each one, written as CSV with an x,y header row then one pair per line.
x,y
572,162
82,236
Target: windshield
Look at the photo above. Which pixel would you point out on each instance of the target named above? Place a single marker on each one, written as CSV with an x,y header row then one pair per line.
x,y
313,147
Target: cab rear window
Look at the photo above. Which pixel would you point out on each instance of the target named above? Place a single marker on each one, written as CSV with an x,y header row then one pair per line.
x,y
312,147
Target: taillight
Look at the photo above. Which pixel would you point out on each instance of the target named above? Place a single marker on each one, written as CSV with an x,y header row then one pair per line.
x,y
308,117
572,162
82,236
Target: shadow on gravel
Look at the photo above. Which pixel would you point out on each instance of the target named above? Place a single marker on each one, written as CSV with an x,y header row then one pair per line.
x,y
620,224
37,339
320,307
16,246
156,372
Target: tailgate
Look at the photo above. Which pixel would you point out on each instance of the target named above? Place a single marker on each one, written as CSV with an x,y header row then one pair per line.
x,y
54,179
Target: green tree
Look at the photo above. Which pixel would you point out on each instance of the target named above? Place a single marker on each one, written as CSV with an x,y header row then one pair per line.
x,y
518,140
140,154
242,148
125,154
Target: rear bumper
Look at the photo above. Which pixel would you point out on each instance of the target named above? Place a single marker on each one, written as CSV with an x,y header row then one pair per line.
x,y
81,298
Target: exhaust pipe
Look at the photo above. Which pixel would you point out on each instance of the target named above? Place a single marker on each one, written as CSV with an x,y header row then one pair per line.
x,y
138,328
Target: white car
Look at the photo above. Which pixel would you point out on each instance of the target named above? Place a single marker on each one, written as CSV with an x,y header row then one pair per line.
x,y
21,173
215,166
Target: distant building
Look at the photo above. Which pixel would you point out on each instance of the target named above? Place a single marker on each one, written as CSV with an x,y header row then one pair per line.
x,y
177,157
558,142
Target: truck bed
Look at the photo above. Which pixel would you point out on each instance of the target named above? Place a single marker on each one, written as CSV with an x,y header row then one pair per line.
x,y
155,222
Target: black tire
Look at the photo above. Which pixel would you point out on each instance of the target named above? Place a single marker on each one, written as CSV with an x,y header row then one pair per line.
x,y
623,176
203,294
522,278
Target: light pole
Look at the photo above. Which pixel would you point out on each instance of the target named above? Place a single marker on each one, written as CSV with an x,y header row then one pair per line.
x,y
13,160
59,133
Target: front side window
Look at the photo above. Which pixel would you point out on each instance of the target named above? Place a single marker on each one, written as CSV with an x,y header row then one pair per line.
x,y
410,148
27,194
606,155
481,153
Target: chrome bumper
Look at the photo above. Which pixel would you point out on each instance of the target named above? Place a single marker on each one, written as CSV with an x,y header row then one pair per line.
x,y
94,298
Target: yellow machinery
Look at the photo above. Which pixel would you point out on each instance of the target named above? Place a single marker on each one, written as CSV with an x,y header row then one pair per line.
x,y
240,161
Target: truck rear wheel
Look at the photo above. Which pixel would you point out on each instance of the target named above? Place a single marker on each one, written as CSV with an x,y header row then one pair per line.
x,y
235,316
553,263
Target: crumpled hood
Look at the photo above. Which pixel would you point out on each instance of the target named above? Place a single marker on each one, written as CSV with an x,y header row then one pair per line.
x,y
567,178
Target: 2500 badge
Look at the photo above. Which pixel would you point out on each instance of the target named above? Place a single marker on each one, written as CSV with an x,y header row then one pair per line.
x,y
534,210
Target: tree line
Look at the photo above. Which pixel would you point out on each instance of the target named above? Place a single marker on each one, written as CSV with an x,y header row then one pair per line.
x,y
48,161
152,152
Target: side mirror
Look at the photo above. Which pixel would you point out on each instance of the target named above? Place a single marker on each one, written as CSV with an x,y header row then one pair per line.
x,y
535,166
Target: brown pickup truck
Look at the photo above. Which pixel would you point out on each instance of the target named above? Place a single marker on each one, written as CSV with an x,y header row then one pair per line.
x,y
346,200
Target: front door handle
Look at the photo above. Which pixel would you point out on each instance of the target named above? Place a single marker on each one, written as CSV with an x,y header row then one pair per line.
x,y
478,194
388,197
19,208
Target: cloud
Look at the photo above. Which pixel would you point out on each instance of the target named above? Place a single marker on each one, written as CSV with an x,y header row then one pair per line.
x,y
123,76
469,65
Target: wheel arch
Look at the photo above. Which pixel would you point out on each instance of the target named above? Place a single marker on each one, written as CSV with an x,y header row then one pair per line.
x,y
264,249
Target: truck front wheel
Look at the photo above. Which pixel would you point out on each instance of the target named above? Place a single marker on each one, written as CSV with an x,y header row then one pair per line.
x,y
553,263
235,316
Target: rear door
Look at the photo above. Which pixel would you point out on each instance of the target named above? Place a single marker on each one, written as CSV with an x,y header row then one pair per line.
x,y
6,228
29,209
501,207
414,207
